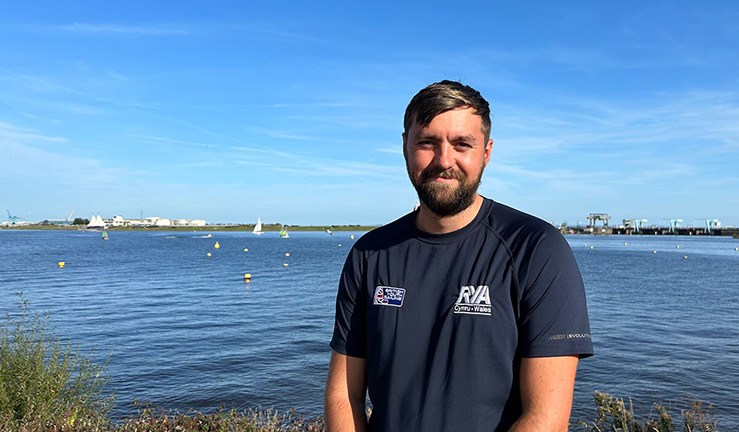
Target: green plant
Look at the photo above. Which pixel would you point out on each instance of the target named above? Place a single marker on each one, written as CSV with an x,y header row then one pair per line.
x,y
44,381
612,415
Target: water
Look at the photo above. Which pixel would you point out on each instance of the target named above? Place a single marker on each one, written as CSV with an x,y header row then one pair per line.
x,y
185,331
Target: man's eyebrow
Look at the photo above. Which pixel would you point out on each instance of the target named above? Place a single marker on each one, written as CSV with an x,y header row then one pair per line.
x,y
421,136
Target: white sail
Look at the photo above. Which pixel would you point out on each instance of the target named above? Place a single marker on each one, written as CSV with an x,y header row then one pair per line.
x,y
258,227
96,222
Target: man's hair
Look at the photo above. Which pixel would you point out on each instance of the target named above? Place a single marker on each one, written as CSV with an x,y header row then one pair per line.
x,y
444,96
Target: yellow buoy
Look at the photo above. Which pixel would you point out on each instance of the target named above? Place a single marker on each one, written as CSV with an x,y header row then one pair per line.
x,y
284,264
246,250
208,253
287,254
626,243
247,277
592,247
339,244
61,264
736,249
685,257
217,245
677,246
352,236
654,252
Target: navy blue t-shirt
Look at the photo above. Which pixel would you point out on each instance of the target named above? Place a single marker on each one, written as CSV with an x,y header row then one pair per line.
x,y
443,320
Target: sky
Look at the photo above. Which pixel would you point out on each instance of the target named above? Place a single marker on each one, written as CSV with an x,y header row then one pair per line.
x,y
293,111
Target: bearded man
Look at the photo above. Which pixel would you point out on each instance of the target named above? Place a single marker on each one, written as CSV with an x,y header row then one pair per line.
x,y
465,315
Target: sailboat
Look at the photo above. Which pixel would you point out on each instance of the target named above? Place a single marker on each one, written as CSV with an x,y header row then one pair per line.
x,y
105,235
283,232
258,227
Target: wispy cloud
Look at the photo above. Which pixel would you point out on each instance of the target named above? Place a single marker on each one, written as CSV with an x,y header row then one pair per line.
x,y
9,132
121,29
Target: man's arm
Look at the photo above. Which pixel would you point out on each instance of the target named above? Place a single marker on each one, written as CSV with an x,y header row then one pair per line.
x,y
546,384
346,387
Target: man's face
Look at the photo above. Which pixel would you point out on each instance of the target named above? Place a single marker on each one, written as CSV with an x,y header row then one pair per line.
x,y
445,160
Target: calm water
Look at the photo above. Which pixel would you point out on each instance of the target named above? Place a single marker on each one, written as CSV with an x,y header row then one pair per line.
x,y
185,331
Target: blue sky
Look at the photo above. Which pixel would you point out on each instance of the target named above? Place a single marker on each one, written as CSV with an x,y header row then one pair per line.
x,y
292,111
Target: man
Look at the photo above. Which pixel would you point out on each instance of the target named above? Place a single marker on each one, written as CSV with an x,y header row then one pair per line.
x,y
465,315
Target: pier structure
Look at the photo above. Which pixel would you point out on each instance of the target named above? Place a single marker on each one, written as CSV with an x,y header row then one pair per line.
x,y
637,226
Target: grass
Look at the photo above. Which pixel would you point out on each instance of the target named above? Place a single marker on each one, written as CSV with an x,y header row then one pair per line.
x,y
47,385
42,379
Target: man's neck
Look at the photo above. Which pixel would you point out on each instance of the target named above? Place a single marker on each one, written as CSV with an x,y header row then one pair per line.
x,y
430,222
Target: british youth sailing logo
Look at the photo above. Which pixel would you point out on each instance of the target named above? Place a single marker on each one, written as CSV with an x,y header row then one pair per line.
x,y
473,300
389,296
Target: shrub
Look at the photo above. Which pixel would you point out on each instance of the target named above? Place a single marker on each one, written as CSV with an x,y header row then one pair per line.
x,y
612,414
43,381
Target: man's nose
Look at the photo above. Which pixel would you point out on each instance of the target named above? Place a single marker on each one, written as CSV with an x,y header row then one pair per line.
x,y
444,157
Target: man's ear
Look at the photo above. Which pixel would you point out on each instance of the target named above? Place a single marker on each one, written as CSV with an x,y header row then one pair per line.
x,y
488,151
405,147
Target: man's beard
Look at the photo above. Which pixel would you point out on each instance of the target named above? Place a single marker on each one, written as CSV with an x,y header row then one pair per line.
x,y
435,195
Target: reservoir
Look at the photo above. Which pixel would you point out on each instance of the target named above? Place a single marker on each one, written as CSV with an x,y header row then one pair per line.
x,y
183,330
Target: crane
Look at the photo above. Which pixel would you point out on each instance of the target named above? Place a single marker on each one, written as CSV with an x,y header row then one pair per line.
x,y
13,219
69,218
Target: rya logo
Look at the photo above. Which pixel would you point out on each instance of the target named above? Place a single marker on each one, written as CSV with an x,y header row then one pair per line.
x,y
473,300
389,296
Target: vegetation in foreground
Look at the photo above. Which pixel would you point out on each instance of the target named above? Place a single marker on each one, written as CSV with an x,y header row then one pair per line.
x,y
48,385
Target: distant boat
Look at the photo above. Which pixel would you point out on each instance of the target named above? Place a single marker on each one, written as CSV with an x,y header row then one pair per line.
x,y
329,232
258,227
283,232
105,235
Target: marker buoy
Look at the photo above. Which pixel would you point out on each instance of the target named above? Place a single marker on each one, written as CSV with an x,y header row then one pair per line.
x,y
61,264
208,253
284,264
677,246
246,250
626,243
287,254
592,247
654,252
736,249
217,245
352,236
685,257
247,277
339,244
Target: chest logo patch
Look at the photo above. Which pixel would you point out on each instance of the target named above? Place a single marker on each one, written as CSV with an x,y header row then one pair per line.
x,y
389,296
473,301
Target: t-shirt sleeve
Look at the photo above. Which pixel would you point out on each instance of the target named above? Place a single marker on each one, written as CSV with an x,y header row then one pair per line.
x,y
349,336
553,311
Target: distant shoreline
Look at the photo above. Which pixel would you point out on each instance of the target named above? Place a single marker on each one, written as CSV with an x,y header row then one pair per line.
x,y
235,227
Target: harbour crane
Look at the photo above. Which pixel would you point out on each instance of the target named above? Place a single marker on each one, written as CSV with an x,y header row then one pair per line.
x,y
674,223
639,224
13,219
69,218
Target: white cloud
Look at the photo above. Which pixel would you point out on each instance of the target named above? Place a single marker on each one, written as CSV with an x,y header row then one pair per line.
x,y
120,29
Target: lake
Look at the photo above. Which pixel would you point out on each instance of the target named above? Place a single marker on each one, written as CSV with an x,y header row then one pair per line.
x,y
185,330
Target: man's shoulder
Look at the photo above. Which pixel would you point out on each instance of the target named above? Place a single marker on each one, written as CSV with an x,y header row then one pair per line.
x,y
387,235
515,227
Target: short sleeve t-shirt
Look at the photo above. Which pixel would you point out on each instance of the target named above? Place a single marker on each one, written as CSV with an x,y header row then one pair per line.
x,y
443,320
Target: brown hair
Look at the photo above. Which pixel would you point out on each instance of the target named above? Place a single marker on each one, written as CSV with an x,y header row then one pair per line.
x,y
444,96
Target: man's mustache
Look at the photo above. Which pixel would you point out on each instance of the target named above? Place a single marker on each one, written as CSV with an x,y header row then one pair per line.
x,y
431,173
